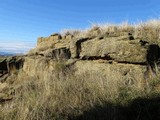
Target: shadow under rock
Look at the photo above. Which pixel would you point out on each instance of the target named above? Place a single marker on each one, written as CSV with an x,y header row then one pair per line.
x,y
153,56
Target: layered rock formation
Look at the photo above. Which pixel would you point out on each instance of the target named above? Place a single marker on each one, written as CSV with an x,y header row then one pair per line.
x,y
122,52
112,54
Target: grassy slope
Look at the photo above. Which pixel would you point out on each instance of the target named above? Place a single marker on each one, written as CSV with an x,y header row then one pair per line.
x,y
82,97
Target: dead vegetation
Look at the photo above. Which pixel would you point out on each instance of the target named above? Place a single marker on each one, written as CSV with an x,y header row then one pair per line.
x,y
149,30
68,96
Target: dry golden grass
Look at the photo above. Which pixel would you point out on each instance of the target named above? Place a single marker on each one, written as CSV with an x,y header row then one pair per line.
x,y
65,95
149,30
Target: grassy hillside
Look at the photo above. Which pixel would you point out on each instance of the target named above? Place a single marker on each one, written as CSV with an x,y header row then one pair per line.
x,y
88,96
52,89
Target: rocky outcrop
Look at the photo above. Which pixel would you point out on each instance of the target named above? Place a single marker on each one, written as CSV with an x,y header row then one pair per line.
x,y
128,55
111,54
122,48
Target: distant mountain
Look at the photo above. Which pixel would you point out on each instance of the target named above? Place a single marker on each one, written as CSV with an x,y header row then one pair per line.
x,y
6,54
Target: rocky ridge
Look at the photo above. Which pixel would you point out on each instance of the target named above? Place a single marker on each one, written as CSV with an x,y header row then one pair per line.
x,y
124,55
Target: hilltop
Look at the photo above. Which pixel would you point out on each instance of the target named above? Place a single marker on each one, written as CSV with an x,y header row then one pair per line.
x,y
105,72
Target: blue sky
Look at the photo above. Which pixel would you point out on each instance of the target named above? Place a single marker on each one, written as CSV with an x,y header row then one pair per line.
x,y
22,21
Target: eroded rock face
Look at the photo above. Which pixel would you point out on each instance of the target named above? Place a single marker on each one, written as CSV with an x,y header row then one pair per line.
x,y
120,47
35,66
9,66
61,53
75,46
115,48
14,63
43,68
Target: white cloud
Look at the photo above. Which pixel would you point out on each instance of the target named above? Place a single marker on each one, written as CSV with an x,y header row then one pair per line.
x,y
16,47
